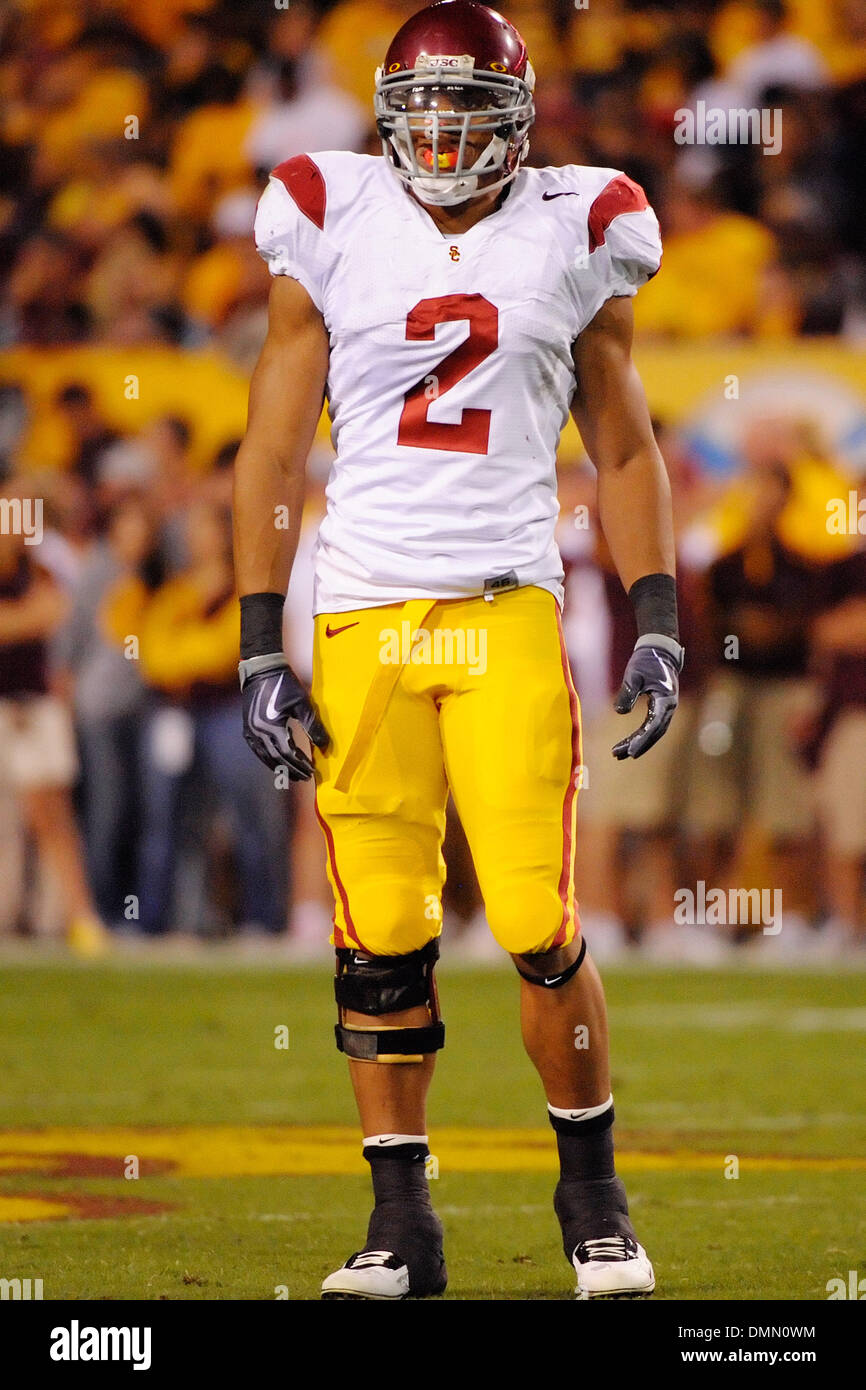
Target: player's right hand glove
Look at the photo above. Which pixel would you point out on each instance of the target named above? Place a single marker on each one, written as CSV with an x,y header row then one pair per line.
x,y
653,670
272,695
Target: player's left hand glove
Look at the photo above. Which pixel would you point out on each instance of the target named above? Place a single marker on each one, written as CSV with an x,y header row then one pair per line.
x,y
653,670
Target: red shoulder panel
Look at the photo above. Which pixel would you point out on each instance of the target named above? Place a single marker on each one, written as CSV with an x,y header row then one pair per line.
x,y
622,194
303,179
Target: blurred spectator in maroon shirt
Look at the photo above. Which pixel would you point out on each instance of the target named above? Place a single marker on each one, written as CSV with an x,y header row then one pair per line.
x,y
631,811
746,772
45,306
839,638
90,433
38,760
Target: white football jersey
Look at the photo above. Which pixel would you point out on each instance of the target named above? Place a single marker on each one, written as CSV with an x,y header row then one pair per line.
x,y
450,374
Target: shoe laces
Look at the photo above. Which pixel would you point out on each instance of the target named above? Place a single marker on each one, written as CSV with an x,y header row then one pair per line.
x,y
607,1249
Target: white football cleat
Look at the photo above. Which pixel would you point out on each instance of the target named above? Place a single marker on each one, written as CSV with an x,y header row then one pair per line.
x,y
369,1274
612,1267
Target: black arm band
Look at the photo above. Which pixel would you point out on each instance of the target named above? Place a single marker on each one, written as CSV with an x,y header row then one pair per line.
x,y
261,624
654,598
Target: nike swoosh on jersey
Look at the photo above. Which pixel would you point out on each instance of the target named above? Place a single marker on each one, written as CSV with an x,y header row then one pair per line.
x,y
335,631
548,197
270,708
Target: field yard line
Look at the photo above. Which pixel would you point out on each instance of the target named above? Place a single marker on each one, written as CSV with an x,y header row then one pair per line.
x,y
235,1151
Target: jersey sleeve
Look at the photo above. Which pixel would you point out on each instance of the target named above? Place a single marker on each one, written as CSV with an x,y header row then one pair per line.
x,y
289,227
624,244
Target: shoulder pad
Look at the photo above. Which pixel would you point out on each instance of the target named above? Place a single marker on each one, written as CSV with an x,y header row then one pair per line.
x,y
304,181
621,194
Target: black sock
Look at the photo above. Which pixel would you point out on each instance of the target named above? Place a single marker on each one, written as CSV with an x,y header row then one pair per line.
x,y
403,1220
585,1151
590,1199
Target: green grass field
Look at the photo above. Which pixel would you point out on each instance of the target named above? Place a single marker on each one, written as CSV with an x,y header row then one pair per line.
x,y
706,1066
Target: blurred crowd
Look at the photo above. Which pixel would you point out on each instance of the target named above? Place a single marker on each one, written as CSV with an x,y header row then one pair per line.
x,y
760,783
125,782
134,142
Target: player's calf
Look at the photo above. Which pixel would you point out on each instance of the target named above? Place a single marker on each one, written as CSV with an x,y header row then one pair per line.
x,y
402,1256
590,1200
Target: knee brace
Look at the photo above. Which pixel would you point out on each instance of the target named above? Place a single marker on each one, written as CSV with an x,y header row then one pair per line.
x,y
560,978
378,985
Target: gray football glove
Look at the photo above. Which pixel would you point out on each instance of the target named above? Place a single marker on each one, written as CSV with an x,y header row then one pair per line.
x,y
272,696
653,670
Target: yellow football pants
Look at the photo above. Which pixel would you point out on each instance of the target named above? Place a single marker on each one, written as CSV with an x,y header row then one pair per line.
x,y
470,695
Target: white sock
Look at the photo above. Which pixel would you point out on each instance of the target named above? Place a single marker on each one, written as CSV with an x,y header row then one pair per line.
x,y
578,1114
376,1139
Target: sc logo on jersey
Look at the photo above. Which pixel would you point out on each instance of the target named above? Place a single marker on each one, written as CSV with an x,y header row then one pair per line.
x,y
454,252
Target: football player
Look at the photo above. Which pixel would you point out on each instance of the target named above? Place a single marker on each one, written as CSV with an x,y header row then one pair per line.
x,y
451,305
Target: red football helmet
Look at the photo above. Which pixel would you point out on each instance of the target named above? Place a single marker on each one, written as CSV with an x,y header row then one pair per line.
x,y
455,70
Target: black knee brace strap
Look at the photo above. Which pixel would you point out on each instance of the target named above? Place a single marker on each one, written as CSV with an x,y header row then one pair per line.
x,y
384,984
561,978
377,985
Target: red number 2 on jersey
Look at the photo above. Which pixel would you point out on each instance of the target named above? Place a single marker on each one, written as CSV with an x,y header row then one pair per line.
x,y
470,436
